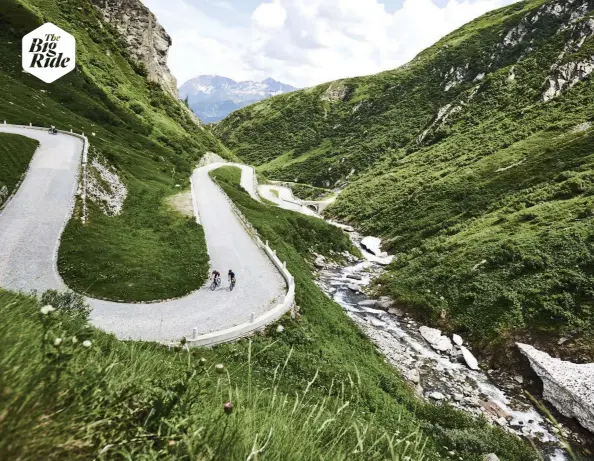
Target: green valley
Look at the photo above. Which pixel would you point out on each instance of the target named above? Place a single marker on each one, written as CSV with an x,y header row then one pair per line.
x,y
319,388
473,162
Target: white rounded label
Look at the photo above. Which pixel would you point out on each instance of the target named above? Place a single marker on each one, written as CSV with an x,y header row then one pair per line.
x,y
49,52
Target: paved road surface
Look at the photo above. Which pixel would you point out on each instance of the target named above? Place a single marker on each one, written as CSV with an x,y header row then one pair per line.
x,y
32,222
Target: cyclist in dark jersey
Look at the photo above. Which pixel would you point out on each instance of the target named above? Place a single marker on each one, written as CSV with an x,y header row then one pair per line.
x,y
231,276
215,275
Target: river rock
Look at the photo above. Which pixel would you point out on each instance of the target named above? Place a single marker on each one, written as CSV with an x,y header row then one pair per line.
x,y
385,261
494,409
372,311
385,303
320,262
372,245
470,360
458,397
568,386
437,396
368,303
458,341
490,457
354,288
437,341
354,277
413,375
376,322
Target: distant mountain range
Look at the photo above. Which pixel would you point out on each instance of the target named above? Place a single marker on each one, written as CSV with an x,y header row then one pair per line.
x,y
212,97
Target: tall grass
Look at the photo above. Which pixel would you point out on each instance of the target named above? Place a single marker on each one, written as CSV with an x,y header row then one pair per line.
x,y
96,398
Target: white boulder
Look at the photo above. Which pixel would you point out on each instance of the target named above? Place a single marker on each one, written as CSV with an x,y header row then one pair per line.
x,y
470,360
372,244
413,376
458,341
437,341
568,386
385,261
354,288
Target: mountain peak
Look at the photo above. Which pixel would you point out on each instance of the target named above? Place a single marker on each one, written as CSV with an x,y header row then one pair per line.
x,y
213,97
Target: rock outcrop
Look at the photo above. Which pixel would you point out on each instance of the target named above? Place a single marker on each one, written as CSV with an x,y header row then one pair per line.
x,y
147,40
566,76
568,386
105,188
337,91
455,77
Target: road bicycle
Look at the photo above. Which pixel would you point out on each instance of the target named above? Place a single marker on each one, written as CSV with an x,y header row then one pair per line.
x,y
215,284
232,284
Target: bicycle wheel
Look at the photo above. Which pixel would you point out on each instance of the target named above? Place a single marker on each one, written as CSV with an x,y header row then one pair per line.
x,y
213,286
232,285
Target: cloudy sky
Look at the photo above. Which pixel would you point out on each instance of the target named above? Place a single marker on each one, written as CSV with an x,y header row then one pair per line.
x,y
305,42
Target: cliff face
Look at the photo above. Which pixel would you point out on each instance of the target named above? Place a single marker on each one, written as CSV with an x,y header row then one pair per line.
x,y
148,42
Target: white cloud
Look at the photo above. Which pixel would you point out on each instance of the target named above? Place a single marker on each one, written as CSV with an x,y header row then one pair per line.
x,y
270,16
305,42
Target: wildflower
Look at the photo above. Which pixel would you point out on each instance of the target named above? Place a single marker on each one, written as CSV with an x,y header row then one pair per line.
x,y
228,408
47,309
202,361
87,343
74,340
220,368
171,443
57,342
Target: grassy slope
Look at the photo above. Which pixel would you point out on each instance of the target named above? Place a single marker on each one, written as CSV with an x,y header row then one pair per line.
x,y
326,341
449,202
15,154
138,397
307,192
149,251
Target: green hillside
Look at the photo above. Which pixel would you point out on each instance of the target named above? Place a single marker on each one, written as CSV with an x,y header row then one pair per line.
x,y
15,154
316,390
474,162
148,251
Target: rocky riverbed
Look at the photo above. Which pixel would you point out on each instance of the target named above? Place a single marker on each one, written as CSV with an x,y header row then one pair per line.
x,y
441,369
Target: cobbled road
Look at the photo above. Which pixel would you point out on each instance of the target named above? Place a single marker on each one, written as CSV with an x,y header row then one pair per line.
x,y
32,222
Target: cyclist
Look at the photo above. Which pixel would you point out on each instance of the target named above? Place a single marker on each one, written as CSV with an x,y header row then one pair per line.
x,y
215,275
231,276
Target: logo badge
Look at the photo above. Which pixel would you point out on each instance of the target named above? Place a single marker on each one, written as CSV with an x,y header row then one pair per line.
x,y
49,52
